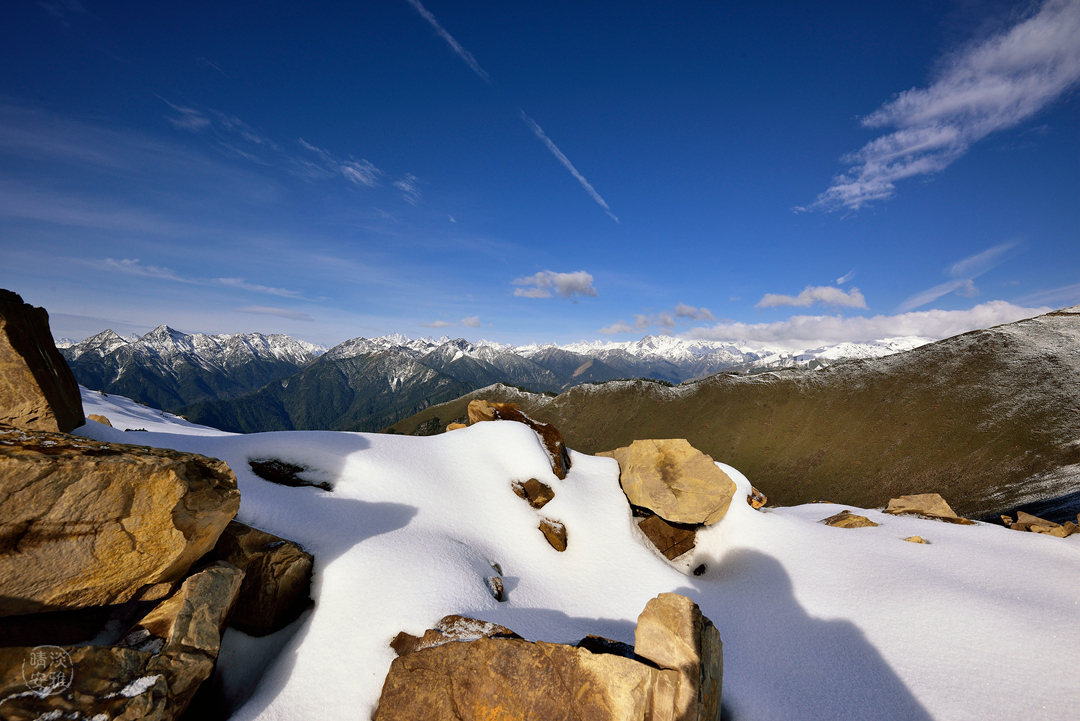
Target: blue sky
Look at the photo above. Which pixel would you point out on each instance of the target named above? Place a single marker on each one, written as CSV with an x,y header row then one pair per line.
x,y
791,173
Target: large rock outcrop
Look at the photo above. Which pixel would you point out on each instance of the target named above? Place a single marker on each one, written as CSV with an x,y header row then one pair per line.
x,y
674,480
37,388
84,523
672,674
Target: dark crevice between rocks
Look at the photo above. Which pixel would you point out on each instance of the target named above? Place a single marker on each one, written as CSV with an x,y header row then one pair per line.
x,y
599,644
284,473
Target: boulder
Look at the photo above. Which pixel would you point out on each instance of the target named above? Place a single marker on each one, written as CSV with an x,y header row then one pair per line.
x,y
84,523
38,391
449,629
930,505
481,410
536,493
151,675
277,578
554,532
847,519
674,480
674,634
103,420
670,540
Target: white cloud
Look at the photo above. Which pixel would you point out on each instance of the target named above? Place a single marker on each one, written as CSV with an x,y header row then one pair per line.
x,y
812,331
131,266
824,294
539,132
438,324
982,88
472,321
188,119
565,285
964,273
454,44
241,284
618,327
1060,297
409,191
845,278
688,311
280,312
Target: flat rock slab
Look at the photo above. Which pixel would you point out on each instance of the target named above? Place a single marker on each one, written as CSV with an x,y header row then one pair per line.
x,y
930,505
84,523
670,540
674,480
38,391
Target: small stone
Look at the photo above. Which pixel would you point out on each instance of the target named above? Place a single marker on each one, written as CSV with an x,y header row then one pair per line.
x,y
756,498
536,493
455,426
555,533
670,539
847,519
917,539
495,585
100,419
700,570
1007,520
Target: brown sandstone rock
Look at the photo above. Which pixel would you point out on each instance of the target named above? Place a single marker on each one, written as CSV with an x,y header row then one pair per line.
x,y
84,523
931,505
916,539
37,388
674,634
847,519
515,679
99,418
670,540
277,578
674,480
449,629
756,499
536,493
481,410
554,532
1029,522
455,426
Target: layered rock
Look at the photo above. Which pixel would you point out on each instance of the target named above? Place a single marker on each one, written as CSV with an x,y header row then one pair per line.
x,y
670,539
277,578
37,388
481,410
1034,524
672,674
674,480
929,505
447,630
84,523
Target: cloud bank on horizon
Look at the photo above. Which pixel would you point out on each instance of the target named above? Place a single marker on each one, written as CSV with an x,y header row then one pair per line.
x,y
980,89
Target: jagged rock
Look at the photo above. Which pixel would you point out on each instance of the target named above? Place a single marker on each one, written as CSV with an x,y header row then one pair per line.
x,y
37,388
674,480
930,505
450,628
670,540
99,418
152,674
756,498
536,493
1028,522
284,473
84,523
455,426
847,519
495,585
554,532
674,634
277,580
481,410
916,539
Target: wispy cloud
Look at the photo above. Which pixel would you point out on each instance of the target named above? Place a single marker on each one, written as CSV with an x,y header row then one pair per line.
x,y
409,191
472,321
454,44
690,312
565,285
845,278
982,88
1064,296
132,266
963,272
280,312
824,294
188,118
539,132
204,63
64,9
255,288
665,321
813,331
438,324
360,172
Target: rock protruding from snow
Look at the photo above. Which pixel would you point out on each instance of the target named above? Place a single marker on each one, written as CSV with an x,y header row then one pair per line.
x,y
100,523
931,505
481,410
847,519
673,673
674,480
674,634
449,629
670,539
554,532
535,492
1029,522
277,580
37,388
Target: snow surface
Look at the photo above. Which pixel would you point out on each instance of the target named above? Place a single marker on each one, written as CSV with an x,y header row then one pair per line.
x,y
816,622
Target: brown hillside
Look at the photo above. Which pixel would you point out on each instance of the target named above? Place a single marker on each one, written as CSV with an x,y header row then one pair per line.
x,y
989,419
